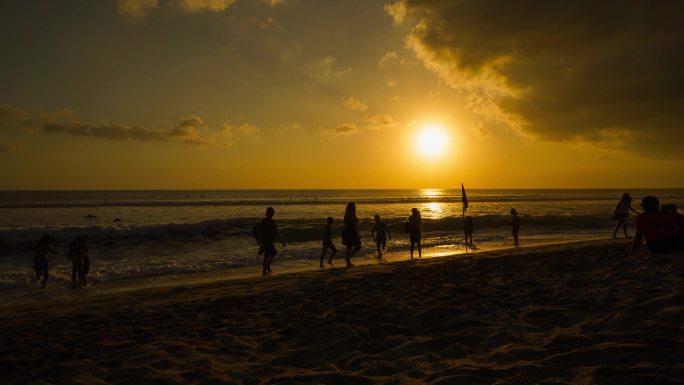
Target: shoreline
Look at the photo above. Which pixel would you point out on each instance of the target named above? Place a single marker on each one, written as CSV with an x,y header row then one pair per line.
x,y
16,297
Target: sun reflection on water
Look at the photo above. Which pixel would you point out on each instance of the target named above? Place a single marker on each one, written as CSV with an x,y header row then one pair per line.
x,y
433,210
431,193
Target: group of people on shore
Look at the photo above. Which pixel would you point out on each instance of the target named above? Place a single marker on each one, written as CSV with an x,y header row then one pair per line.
x,y
660,228
266,233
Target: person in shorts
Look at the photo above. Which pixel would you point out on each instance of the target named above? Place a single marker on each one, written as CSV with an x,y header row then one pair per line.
x,y
327,241
380,234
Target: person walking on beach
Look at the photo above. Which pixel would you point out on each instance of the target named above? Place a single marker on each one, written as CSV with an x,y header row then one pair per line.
x,y
80,262
380,233
269,231
41,259
327,242
621,213
515,221
415,229
350,233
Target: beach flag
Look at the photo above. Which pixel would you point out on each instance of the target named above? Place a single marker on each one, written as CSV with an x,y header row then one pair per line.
x,y
464,198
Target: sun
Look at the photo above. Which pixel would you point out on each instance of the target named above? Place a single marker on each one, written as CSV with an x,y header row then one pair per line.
x,y
432,141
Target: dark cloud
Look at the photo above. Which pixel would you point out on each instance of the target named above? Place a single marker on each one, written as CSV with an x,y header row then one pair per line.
x,y
138,9
608,72
12,117
115,132
190,129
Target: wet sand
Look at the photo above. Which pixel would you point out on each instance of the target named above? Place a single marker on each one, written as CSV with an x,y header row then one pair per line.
x,y
569,313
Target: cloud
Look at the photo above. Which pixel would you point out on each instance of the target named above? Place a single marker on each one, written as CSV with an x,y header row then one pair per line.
x,y
231,132
354,104
137,9
342,129
204,5
244,129
326,68
480,131
367,120
397,10
292,127
379,121
607,72
12,118
190,129
389,57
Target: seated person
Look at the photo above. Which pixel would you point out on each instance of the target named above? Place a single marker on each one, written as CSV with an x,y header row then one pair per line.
x,y
661,229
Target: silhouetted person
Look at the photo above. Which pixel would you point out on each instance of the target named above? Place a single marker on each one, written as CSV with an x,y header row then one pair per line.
x,y
515,222
269,232
327,241
661,229
469,227
380,234
350,233
80,262
415,227
621,213
41,259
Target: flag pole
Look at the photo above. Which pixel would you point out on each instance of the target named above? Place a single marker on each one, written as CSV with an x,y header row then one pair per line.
x,y
464,202
465,242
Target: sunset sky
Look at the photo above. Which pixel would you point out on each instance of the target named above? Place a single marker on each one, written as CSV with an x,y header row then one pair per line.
x,y
166,94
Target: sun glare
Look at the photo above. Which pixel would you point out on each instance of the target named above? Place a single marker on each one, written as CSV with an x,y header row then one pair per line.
x,y
432,141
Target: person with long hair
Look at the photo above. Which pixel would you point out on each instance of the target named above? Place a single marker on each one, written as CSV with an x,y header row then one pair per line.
x,y
621,213
350,233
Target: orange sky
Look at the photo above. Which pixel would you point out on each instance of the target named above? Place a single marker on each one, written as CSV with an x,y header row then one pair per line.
x,y
156,94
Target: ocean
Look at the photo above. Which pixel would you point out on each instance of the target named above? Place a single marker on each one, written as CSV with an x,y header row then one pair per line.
x,y
146,233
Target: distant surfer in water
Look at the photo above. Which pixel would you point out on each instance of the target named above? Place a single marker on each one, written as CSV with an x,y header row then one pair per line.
x,y
268,229
327,242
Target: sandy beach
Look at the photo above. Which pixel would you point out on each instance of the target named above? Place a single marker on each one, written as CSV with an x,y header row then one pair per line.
x,y
572,313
